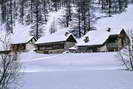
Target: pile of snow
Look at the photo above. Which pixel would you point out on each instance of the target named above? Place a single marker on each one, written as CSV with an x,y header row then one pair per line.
x,y
21,34
55,37
95,38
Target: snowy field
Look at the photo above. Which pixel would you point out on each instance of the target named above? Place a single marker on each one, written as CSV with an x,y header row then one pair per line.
x,y
74,71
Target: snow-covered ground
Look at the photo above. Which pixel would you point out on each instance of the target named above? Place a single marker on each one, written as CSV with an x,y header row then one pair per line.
x,y
74,71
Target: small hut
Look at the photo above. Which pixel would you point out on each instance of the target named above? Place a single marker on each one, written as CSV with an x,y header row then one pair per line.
x,y
21,39
23,44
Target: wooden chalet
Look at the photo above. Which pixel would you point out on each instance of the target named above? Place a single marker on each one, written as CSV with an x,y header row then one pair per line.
x,y
58,42
103,41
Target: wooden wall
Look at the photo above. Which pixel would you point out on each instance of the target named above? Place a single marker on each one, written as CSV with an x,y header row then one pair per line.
x,y
18,47
58,47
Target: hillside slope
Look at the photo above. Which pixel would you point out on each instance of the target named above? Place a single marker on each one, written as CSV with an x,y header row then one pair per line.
x,y
119,21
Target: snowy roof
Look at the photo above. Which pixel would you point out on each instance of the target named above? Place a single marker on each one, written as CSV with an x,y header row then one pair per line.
x,y
21,34
55,37
97,37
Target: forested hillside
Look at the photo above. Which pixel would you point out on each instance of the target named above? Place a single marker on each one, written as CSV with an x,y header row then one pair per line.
x,y
78,15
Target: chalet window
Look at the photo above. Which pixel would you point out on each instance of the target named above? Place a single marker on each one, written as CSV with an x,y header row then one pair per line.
x,y
112,45
22,46
14,47
126,41
88,49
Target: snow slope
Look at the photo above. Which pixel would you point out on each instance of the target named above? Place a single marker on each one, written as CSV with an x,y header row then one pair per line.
x,y
74,71
79,80
63,61
119,21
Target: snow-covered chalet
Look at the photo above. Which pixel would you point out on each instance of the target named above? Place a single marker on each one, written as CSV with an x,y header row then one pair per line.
x,y
57,42
103,41
21,39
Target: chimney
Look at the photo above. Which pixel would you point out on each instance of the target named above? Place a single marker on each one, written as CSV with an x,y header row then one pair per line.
x,y
66,34
109,30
